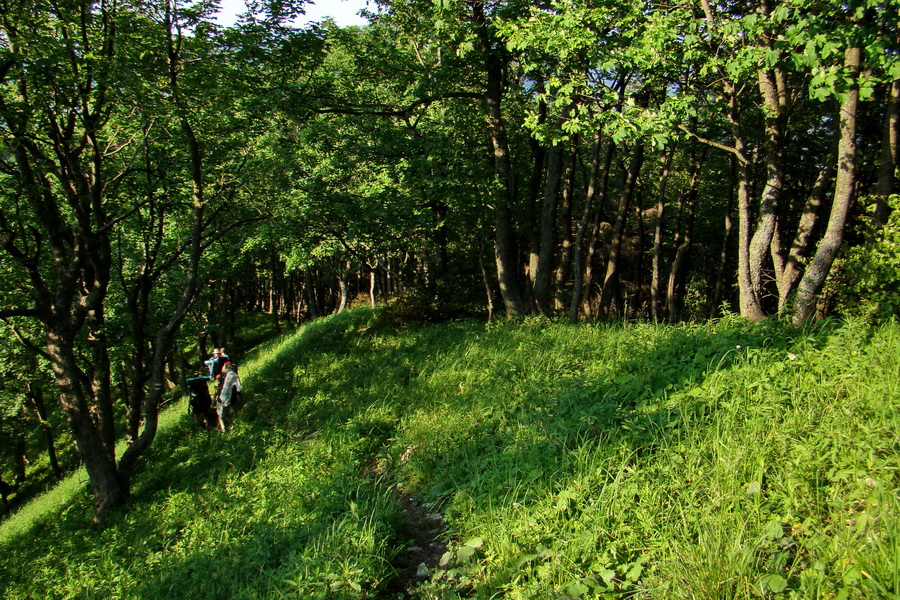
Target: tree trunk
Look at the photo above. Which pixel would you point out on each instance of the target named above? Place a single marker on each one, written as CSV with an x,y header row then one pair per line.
x,y
541,269
726,239
596,238
658,234
675,289
561,275
771,87
539,154
578,270
820,267
612,264
788,278
890,153
345,286
36,395
749,304
486,279
505,243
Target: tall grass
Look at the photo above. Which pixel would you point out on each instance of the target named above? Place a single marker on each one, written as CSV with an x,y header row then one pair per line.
x,y
726,460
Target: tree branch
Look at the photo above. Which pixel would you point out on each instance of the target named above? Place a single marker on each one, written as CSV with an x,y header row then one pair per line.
x,y
718,145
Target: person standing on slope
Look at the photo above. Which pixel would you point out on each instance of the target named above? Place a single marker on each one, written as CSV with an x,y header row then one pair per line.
x,y
231,388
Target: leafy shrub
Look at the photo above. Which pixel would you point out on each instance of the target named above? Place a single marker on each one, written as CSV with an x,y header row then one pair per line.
x,y
868,283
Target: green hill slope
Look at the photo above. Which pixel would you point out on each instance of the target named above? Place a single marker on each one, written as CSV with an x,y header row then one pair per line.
x,y
550,461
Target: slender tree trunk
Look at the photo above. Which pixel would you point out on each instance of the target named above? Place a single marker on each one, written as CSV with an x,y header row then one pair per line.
x,y
578,270
345,287
675,289
612,264
749,303
561,275
36,395
596,237
658,234
818,270
789,277
774,95
485,279
539,155
542,268
890,153
726,240
20,460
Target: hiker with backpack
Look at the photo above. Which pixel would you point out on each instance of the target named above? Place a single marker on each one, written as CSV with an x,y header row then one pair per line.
x,y
200,402
229,396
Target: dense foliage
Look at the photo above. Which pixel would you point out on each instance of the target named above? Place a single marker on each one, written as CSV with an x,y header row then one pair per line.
x,y
696,461
161,175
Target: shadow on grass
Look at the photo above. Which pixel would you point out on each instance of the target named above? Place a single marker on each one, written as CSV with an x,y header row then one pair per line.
x,y
351,376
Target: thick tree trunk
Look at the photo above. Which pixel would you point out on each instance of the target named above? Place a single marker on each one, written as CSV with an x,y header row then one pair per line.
x,y
505,243
845,184
109,489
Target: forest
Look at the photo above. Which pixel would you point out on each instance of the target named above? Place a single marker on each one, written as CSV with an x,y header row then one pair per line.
x,y
169,185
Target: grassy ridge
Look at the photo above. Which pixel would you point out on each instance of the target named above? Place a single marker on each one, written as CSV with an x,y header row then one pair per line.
x,y
714,461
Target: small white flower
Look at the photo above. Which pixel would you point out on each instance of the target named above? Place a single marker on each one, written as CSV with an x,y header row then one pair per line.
x,y
792,356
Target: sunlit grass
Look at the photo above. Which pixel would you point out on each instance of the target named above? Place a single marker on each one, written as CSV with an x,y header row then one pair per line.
x,y
701,461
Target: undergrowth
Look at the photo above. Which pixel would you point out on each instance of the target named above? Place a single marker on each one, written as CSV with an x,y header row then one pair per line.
x,y
723,460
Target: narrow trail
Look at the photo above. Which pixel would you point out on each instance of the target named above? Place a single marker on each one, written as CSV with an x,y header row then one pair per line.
x,y
425,545
421,535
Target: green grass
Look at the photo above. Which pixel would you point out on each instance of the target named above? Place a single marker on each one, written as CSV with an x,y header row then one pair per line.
x,y
713,461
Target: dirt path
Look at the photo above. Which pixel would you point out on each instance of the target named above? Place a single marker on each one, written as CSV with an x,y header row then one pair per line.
x,y
421,533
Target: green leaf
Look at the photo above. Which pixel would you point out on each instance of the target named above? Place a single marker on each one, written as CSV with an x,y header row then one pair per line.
x,y
465,553
772,583
577,589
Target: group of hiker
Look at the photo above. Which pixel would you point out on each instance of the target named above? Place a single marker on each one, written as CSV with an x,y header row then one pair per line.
x,y
228,389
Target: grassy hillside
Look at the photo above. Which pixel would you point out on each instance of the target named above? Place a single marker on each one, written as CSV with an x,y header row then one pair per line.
x,y
552,461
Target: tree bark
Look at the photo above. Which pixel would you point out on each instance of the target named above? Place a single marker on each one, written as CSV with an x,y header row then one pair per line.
x,y
772,89
788,278
750,306
726,239
890,153
503,196
817,272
